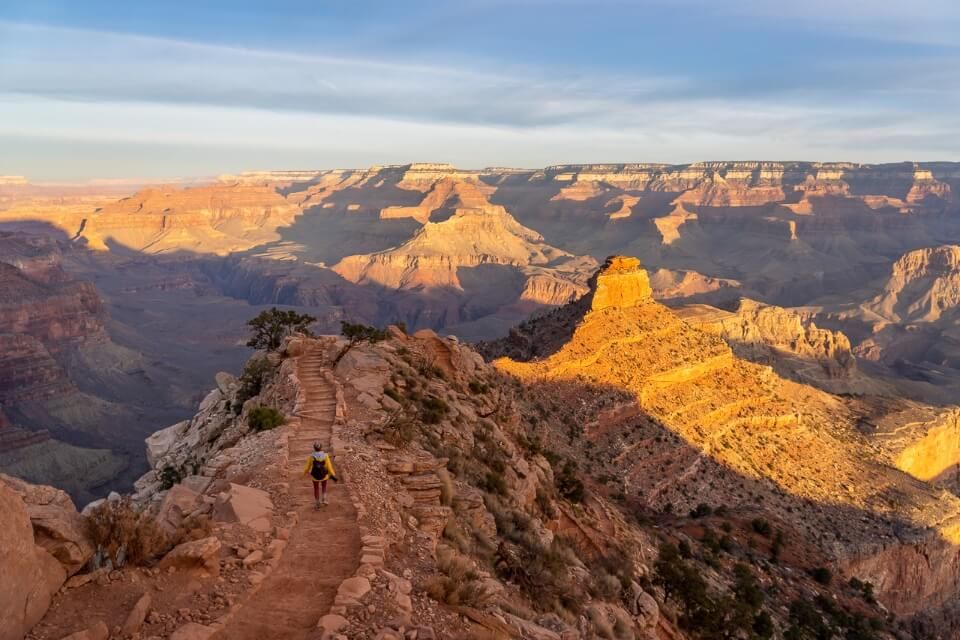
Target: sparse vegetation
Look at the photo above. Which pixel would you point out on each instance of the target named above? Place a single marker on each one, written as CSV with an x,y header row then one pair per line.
x,y
477,387
433,409
169,476
459,584
256,373
701,511
356,333
264,418
762,527
822,575
271,327
708,615
126,536
568,484
494,482
393,394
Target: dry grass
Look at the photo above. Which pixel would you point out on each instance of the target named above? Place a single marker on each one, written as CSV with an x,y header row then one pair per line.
x,y
459,584
125,535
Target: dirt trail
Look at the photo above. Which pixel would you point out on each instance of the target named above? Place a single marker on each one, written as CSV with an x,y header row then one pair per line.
x,y
324,548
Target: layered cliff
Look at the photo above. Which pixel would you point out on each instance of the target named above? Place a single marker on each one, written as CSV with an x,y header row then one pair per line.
x,y
923,286
218,218
777,336
435,255
703,423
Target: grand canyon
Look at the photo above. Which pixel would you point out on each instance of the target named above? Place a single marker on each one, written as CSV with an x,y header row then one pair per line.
x,y
709,400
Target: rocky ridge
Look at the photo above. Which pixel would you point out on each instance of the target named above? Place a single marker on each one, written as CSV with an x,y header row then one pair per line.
x,y
692,385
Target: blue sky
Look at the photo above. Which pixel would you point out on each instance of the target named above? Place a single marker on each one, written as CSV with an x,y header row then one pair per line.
x,y
149,89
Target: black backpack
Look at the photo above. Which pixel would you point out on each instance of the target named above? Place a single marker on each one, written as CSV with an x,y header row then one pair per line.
x,y
319,469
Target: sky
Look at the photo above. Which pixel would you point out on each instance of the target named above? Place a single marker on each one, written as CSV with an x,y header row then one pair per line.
x,y
100,89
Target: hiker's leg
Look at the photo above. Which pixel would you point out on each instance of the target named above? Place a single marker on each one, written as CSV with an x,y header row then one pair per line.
x,y
316,490
324,485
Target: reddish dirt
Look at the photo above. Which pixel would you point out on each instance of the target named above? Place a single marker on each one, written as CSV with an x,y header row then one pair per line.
x,y
324,547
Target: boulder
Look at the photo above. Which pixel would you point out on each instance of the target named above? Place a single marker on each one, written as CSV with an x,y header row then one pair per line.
x,y
646,610
197,483
210,401
246,505
63,533
160,442
354,588
225,382
57,527
179,502
330,624
39,493
203,554
30,575
98,631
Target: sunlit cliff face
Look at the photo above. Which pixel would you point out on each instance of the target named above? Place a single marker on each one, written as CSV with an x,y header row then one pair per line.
x,y
738,415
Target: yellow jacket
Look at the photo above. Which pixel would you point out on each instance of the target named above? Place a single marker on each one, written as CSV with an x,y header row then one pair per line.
x,y
320,457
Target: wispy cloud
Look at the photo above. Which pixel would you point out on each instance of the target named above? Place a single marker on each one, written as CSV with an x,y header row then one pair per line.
x,y
95,89
102,66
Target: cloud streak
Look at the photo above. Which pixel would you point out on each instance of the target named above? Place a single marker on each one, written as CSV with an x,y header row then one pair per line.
x,y
101,90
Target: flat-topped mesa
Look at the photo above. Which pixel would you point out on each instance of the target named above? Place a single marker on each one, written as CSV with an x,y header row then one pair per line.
x,y
620,283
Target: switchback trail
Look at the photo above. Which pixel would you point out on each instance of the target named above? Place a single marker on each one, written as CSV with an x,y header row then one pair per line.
x,y
324,547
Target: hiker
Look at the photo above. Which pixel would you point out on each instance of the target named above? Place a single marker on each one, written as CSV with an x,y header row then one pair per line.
x,y
320,467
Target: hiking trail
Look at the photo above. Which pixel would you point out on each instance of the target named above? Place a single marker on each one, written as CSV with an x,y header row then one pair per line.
x,y
324,546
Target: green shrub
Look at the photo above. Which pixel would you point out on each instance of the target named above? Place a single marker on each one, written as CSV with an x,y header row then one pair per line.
x,y
393,394
256,373
777,546
822,575
477,387
170,476
762,527
701,511
271,327
433,409
264,418
568,484
494,482
357,333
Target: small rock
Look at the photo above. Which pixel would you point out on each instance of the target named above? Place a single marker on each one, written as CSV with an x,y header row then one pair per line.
x,y
275,548
137,615
253,558
332,623
193,631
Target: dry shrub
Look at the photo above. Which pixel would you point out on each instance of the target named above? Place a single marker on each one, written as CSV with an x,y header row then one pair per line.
x,y
447,490
459,584
623,626
455,533
600,624
125,535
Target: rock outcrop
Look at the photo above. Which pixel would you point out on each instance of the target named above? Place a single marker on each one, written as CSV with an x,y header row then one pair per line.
x,y
30,574
767,334
218,219
924,286
619,284
733,416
